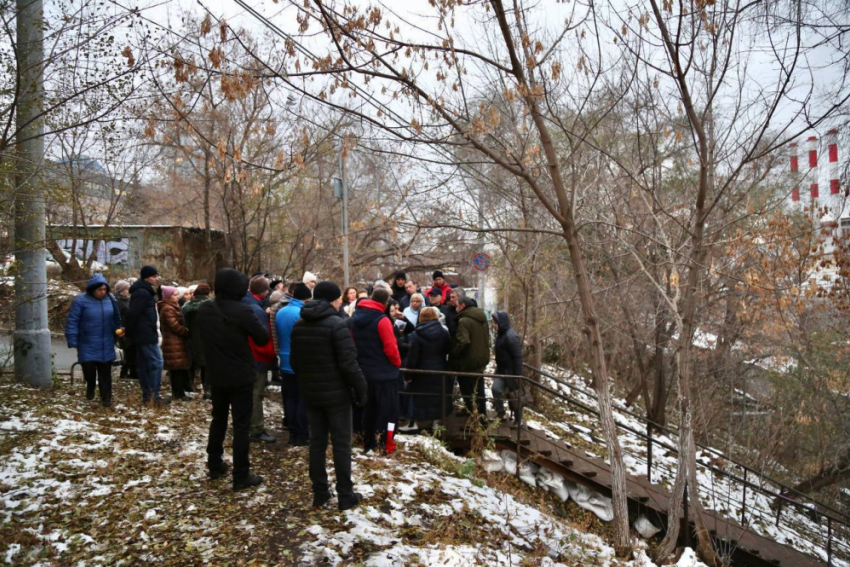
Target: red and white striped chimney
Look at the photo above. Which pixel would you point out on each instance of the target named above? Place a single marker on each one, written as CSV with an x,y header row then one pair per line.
x,y
795,172
832,141
813,167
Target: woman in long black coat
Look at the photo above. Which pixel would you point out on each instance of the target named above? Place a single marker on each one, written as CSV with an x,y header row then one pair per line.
x,y
429,350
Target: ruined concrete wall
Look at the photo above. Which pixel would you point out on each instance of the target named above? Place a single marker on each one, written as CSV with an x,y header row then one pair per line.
x,y
179,253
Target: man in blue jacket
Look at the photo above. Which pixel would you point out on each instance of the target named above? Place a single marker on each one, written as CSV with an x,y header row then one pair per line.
x,y
296,410
141,328
92,321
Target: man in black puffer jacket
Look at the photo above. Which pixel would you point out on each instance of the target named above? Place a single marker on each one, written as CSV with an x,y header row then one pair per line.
x,y
225,325
140,326
324,359
508,351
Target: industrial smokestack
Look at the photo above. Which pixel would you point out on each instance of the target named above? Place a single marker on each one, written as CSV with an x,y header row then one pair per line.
x,y
813,168
795,172
832,140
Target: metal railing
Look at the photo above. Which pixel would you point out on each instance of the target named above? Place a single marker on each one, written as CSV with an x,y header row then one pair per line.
x,y
811,513
755,481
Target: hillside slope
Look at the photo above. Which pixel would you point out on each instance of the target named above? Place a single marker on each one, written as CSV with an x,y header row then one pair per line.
x,y
87,486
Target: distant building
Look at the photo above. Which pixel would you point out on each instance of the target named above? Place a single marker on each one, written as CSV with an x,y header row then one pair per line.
x,y
81,191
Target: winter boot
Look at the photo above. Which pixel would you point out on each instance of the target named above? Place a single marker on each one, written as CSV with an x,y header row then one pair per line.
x,y
350,501
389,448
216,472
321,498
249,481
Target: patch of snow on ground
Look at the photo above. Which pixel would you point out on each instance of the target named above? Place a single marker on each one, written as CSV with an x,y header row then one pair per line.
x,y
515,530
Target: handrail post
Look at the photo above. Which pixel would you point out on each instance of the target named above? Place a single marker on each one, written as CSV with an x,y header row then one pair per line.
x,y
443,398
829,541
687,520
518,424
744,502
649,451
779,507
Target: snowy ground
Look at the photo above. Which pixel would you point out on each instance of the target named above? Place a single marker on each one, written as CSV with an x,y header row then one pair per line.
x,y
717,492
81,485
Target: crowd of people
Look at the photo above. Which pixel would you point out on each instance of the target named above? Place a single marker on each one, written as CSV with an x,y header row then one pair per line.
x,y
357,364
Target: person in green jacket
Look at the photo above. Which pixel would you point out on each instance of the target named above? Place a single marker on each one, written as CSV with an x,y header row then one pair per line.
x,y
196,348
471,353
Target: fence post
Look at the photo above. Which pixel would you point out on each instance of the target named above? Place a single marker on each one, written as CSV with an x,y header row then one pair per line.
x,y
779,507
829,541
649,451
687,520
443,403
744,502
519,426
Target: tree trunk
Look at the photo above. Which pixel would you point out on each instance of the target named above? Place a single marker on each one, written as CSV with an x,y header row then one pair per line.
x,y
687,452
536,354
690,299
622,543
207,186
829,475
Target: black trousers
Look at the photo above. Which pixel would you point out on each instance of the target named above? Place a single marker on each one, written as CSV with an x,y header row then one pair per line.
x,y
204,383
128,369
382,408
470,387
179,383
335,422
98,374
239,402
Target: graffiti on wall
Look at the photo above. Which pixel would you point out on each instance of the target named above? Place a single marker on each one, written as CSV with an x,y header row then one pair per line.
x,y
115,251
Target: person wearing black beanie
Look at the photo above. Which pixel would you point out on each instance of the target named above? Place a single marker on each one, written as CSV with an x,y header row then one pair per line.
x,y
441,285
324,359
328,291
302,292
141,328
397,288
147,272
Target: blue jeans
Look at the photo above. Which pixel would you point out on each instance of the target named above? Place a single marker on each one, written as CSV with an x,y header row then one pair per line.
x,y
149,361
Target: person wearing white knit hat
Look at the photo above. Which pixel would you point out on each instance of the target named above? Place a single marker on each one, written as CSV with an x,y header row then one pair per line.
x,y
310,280
181,295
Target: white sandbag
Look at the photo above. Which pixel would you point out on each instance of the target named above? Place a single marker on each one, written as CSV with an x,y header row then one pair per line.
x,y
508,461
645,527
491,462
528,473
554,483
594,502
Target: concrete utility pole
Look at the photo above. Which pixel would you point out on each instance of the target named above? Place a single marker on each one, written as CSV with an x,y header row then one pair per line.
x,y
31,337
482,241
341,192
